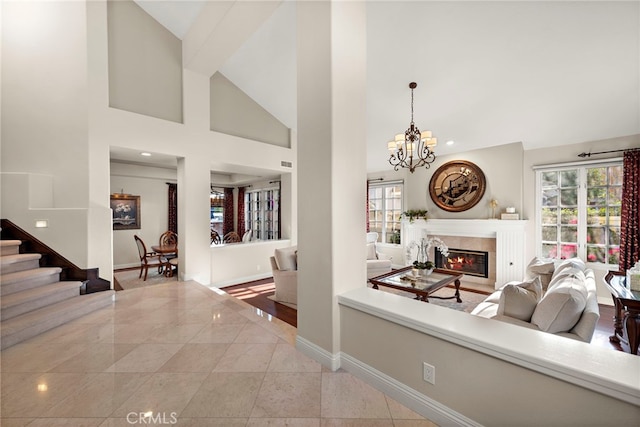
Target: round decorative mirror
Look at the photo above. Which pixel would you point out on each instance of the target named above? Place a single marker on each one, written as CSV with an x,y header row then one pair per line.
x,y
457,186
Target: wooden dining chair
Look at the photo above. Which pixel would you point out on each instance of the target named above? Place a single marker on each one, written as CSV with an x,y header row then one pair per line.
x,y
169,238
149,259
215,237
232,237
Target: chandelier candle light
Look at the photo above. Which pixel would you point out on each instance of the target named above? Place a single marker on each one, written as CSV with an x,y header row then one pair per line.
x,y
412,149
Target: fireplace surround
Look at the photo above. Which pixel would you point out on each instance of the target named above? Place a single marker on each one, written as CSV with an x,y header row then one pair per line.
x,y
467,261
508,237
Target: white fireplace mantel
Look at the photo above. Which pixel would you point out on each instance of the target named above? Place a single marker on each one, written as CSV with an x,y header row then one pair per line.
x,y
509,235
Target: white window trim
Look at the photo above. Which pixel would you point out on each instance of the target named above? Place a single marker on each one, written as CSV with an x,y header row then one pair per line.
x,y
582,208
380,183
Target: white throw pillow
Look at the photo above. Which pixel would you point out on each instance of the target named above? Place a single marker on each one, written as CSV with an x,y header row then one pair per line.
x,y
371,251
287,258
566,272
542,268
569,263
517,302
246,237
561,307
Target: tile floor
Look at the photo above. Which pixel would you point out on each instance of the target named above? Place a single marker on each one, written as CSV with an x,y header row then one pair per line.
x,y
182,354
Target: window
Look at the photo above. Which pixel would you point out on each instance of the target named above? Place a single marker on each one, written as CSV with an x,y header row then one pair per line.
x,y
579,211
262,213
217,210
385,208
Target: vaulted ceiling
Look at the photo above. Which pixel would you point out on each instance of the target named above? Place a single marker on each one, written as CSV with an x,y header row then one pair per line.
x,y
488,73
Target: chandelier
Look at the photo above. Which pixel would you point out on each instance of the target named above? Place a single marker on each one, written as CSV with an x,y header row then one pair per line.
x,y
413,148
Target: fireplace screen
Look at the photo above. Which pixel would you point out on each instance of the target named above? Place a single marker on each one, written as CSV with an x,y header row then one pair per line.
x,y
474,263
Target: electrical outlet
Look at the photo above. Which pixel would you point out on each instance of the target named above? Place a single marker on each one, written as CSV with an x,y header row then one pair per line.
x,y
429,373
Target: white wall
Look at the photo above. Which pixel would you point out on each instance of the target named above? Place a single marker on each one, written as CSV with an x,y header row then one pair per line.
x,y
145,63
151,185
242,262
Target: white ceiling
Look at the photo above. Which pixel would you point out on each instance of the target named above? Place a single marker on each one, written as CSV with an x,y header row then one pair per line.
x,y
488,73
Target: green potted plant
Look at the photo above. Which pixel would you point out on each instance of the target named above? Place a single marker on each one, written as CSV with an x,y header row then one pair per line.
x,y
413,214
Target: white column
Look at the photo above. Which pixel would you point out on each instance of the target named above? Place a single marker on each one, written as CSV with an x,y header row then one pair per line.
x,y
331,167
194,235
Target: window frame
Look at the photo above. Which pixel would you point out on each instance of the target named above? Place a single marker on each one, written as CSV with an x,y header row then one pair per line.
x,y
582,206
265,205
383,185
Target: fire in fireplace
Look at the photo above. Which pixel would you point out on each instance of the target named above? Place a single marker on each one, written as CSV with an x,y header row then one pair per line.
x,y
474,263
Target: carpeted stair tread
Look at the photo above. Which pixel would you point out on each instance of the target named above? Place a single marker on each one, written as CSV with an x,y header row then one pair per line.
x,y
35,322
9,247
17,262
33,273
28,279
32,299
12,259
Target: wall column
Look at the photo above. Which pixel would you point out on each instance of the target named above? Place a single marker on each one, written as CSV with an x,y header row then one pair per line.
x,y
331,169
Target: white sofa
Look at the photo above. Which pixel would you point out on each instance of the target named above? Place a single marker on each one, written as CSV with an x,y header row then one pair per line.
x,y
377,262
561,300
284,266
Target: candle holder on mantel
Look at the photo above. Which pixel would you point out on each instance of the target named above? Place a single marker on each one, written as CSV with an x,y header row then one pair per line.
x,y
494,204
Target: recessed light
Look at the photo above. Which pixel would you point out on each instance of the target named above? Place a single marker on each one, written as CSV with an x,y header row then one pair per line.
x,y
146,154
450,142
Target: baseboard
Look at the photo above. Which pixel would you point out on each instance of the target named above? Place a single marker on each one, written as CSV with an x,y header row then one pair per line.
x,y
319,354
418,402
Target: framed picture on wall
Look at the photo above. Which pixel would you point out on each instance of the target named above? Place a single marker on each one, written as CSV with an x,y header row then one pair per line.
x,y
126,211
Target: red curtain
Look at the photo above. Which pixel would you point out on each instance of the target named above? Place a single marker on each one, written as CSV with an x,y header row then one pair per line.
x,y
227,221
241,229
172,222
630,223
366,207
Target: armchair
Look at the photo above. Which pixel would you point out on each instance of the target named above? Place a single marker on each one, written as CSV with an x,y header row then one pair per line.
x,y
285,275
377,262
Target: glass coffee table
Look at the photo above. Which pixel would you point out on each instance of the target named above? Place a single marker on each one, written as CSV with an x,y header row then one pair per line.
x,y
422,286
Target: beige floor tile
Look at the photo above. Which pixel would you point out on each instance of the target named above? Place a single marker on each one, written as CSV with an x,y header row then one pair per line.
x,y
100,397
164,393
246,358
288,395
211,422
174,333
221,314
129,333
97,358
15,422
218,333
66,422
31,395
225,394
195,358
345,396
346,422
414,423
254,333
40,357
145,358
201,314
287,359
288,422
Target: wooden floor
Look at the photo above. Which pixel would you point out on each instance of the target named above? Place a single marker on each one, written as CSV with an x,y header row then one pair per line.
x,y
256,293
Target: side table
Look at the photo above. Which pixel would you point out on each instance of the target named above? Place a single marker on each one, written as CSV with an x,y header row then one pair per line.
x,y
626,321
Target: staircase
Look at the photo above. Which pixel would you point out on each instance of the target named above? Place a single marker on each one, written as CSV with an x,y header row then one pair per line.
x,y
34,300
